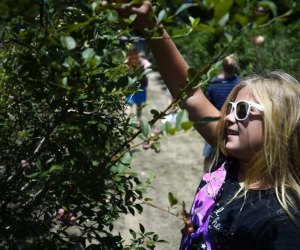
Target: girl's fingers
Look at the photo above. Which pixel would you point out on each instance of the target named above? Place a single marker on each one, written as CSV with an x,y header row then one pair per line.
x,y
145,17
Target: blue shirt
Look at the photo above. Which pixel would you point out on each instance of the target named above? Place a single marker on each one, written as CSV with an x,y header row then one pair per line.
x,y
219,89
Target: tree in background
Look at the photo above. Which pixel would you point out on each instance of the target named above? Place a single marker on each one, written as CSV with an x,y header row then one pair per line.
x,y
278,51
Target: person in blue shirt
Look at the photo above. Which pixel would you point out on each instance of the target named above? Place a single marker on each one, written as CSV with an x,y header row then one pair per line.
x,y
139,97
217,92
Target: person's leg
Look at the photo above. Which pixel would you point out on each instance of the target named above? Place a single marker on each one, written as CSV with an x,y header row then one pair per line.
x,y
140,99
139,108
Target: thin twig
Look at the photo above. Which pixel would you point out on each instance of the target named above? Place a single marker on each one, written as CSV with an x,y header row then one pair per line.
x,y
162,209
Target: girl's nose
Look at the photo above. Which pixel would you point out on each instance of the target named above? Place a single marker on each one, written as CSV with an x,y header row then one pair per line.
x,y
230,117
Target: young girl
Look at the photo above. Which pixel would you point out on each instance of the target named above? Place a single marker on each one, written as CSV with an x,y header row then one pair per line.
x,y
251,200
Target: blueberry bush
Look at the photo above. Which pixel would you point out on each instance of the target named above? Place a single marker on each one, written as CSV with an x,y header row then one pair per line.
x,y
65,138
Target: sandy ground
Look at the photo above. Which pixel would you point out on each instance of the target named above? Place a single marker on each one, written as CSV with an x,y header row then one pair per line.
x,y
178,169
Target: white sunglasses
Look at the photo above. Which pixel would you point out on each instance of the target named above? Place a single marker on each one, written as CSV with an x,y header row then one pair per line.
x,y
242,109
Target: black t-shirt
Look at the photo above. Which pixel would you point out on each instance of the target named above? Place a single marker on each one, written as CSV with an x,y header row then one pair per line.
x,y
255,222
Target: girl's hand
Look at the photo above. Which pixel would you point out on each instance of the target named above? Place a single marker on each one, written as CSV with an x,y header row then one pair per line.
x,y
145,20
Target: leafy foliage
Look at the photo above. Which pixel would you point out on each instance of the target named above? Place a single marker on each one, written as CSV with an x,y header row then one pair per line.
x,y
277,21
62,118
65,139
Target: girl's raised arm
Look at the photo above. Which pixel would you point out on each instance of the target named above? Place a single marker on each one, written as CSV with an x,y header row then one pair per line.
x,y
174,70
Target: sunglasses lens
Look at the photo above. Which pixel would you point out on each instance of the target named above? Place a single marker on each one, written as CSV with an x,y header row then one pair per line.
x,y
242,110
229,108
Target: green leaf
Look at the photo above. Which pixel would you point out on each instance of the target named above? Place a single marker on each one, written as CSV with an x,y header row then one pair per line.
x,y
223,21
155,237
222,8
187,125
171,131
172,200
181,32
181,117
112,16
56,168
68,42
156,146
155,113
131,211
228,37
70,62
269,5
126,159
161,15
169,128
241,19
205,27
139,208
150,244
184,7
194,22
133,233
212,72
206,120
142,229
261,20
240,2
33,175
88,53
145,127
93,62
132,18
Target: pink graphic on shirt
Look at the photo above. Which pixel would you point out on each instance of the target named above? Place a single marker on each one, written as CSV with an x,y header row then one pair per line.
x,y
203,205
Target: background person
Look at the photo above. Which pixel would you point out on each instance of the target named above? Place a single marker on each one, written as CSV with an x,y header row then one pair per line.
x,y
139,97
217,92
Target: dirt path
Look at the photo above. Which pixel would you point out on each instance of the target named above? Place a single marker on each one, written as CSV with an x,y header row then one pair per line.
x,y
178,169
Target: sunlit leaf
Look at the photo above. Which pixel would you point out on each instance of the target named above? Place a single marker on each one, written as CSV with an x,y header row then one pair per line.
x,y
88,53
161,15
126,159
145,127
221,10
187,125
68,42
269,5
194,22
212,72
184,7
181,117
224,19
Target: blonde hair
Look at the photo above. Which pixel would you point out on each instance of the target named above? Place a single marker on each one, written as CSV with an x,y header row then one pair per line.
x,y
278,163
231,64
